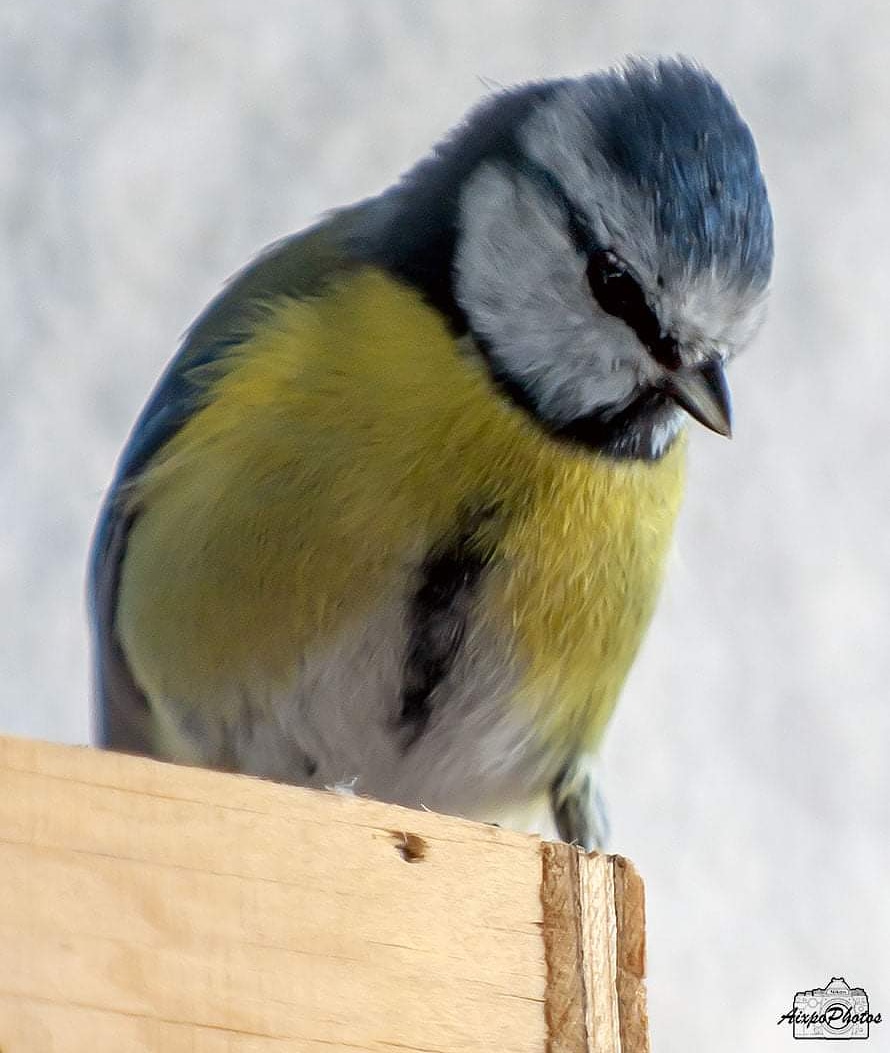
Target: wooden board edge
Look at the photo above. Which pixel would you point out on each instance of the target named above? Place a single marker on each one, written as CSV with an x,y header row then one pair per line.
x,y
566,1003
595,949
630,914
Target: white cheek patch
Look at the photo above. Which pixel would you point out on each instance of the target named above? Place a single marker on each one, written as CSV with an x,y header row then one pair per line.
x,y
522,284
707,312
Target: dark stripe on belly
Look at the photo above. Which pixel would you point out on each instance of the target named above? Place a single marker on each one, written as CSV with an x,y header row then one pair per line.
x,y
438,618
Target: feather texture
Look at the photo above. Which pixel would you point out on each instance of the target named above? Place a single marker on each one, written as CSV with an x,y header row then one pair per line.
x,y
335,447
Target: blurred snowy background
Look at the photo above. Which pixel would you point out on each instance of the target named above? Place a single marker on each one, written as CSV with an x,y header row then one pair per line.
x,y
150,148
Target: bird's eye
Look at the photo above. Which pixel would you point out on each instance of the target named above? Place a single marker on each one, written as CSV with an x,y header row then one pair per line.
x,y
618,293
614,288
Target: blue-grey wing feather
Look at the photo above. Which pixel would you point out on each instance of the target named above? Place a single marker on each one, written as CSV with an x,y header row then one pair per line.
x,y
296,267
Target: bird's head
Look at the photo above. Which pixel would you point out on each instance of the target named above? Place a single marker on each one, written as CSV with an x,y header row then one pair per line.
x,y
607,242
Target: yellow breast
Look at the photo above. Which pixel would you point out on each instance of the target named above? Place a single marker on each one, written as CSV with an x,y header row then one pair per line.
x,y
344,438
586,561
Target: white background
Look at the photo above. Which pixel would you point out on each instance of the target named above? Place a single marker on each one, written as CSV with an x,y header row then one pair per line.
x,y
150,148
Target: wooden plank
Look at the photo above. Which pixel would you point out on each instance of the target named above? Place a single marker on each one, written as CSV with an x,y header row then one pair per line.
x,y
148,907
630,916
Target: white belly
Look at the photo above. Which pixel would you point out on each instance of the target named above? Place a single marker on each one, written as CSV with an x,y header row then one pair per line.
x,y
339,725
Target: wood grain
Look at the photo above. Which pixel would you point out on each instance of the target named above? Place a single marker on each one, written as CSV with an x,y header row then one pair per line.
x,y
147,907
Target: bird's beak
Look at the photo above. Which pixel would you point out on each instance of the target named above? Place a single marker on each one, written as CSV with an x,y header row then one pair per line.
x,y
704,394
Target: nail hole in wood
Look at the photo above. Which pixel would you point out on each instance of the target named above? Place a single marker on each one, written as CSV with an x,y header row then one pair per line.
x,y
410,847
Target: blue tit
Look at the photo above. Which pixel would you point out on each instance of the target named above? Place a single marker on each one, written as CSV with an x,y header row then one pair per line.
x,y
397,513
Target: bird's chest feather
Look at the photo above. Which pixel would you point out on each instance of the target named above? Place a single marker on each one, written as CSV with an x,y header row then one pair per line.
x,y
348,437
581,563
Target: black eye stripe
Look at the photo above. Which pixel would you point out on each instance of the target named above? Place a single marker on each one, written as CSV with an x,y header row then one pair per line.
x,y
615,289
618,293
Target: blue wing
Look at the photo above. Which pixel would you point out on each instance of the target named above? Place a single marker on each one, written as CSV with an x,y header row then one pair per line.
x,y
297,267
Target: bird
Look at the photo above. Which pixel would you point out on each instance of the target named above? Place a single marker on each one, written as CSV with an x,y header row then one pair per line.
x,y
396,516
